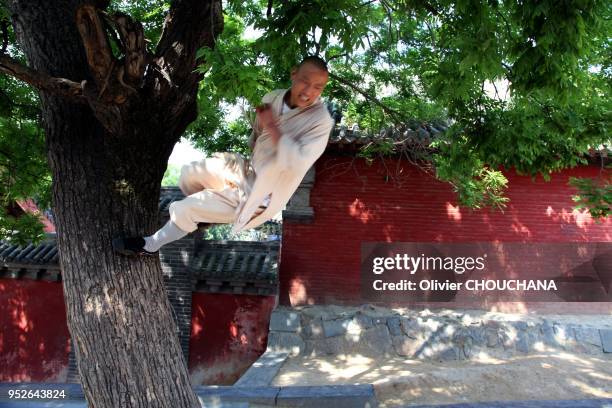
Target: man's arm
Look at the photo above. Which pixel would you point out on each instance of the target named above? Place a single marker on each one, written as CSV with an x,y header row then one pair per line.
x,y
268,120
302,154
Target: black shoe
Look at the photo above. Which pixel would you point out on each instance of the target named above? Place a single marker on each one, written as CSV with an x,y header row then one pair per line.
x,y
133,246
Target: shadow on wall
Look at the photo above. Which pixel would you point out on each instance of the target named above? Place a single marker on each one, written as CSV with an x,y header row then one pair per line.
x,y
228,334
34,337
356,203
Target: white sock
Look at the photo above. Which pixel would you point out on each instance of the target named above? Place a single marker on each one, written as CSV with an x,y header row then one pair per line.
x,y
168,233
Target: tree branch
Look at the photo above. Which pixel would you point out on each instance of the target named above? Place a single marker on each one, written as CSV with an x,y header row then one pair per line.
x,y
5,36
430,8
392,112
189,26
95,41
40,80
133,41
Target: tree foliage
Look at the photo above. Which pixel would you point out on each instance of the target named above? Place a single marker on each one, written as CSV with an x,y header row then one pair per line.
x,y
24,172
397,61
523,85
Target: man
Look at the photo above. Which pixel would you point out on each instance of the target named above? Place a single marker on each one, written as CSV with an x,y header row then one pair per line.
x,y
290,133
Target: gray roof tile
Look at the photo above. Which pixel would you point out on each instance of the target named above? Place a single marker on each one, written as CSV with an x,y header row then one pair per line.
x,y
221,266
411,133
236,267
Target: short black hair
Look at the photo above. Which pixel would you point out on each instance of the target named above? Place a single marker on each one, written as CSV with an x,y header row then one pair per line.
x,y
316,61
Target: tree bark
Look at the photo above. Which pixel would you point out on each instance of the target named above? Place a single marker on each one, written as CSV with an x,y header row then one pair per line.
x,y
106,183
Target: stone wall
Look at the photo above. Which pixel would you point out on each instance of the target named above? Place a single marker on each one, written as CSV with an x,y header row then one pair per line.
x,y
444,335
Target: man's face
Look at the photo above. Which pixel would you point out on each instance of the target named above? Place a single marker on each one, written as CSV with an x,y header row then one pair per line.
x,y
307,83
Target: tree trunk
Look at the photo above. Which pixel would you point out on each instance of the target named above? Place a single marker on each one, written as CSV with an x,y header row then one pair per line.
x,y
107,185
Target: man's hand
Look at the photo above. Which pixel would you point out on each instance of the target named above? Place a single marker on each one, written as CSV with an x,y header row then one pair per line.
x,y
268,120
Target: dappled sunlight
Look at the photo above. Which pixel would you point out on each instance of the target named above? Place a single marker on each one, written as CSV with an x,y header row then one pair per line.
x,y
581,218
509,307
358,210
573,358
482,378
197,325
353,331
103,303
388,233
228,334
94,305
349,368
294,377
485,358
589,389
599,375
539,346
453,213
410,362
520,229
233,329
298,293
34,342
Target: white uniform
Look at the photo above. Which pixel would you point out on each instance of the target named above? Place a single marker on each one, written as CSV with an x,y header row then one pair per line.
x,y
226,188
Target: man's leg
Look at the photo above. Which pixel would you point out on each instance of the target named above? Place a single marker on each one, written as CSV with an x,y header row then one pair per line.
x,y
209,206
166,234
213,173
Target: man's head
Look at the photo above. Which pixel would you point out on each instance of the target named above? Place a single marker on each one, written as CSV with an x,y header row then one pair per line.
x,y
308,80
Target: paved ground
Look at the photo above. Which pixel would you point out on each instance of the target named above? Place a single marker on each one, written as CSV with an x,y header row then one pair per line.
x,y
343,396
401,382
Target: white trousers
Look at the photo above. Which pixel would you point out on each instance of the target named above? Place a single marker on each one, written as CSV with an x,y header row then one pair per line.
x,y
214,188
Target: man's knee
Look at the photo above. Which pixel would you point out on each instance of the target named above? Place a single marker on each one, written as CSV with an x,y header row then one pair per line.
x,y
181,214
185,182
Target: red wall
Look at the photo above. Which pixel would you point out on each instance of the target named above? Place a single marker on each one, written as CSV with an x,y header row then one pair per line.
x,y
320,262
34,338
228,333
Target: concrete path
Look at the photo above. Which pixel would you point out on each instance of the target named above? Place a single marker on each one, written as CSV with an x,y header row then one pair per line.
x,y
332,396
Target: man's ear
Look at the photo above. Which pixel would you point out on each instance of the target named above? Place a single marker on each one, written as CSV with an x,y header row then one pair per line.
x,y
294,71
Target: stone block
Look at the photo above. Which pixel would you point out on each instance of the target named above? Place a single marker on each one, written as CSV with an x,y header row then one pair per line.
x,y
284,321
492,324
548,334
312,328
522,342
216,396
492,338
606,340
463,342
411,328
376,341
286,343
363,321
587,336
393,323
439,352
405,346
332,328
263,371
333,346
520,326
328,396
478,334
564,335
466,349
379,320
506,339
316,312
